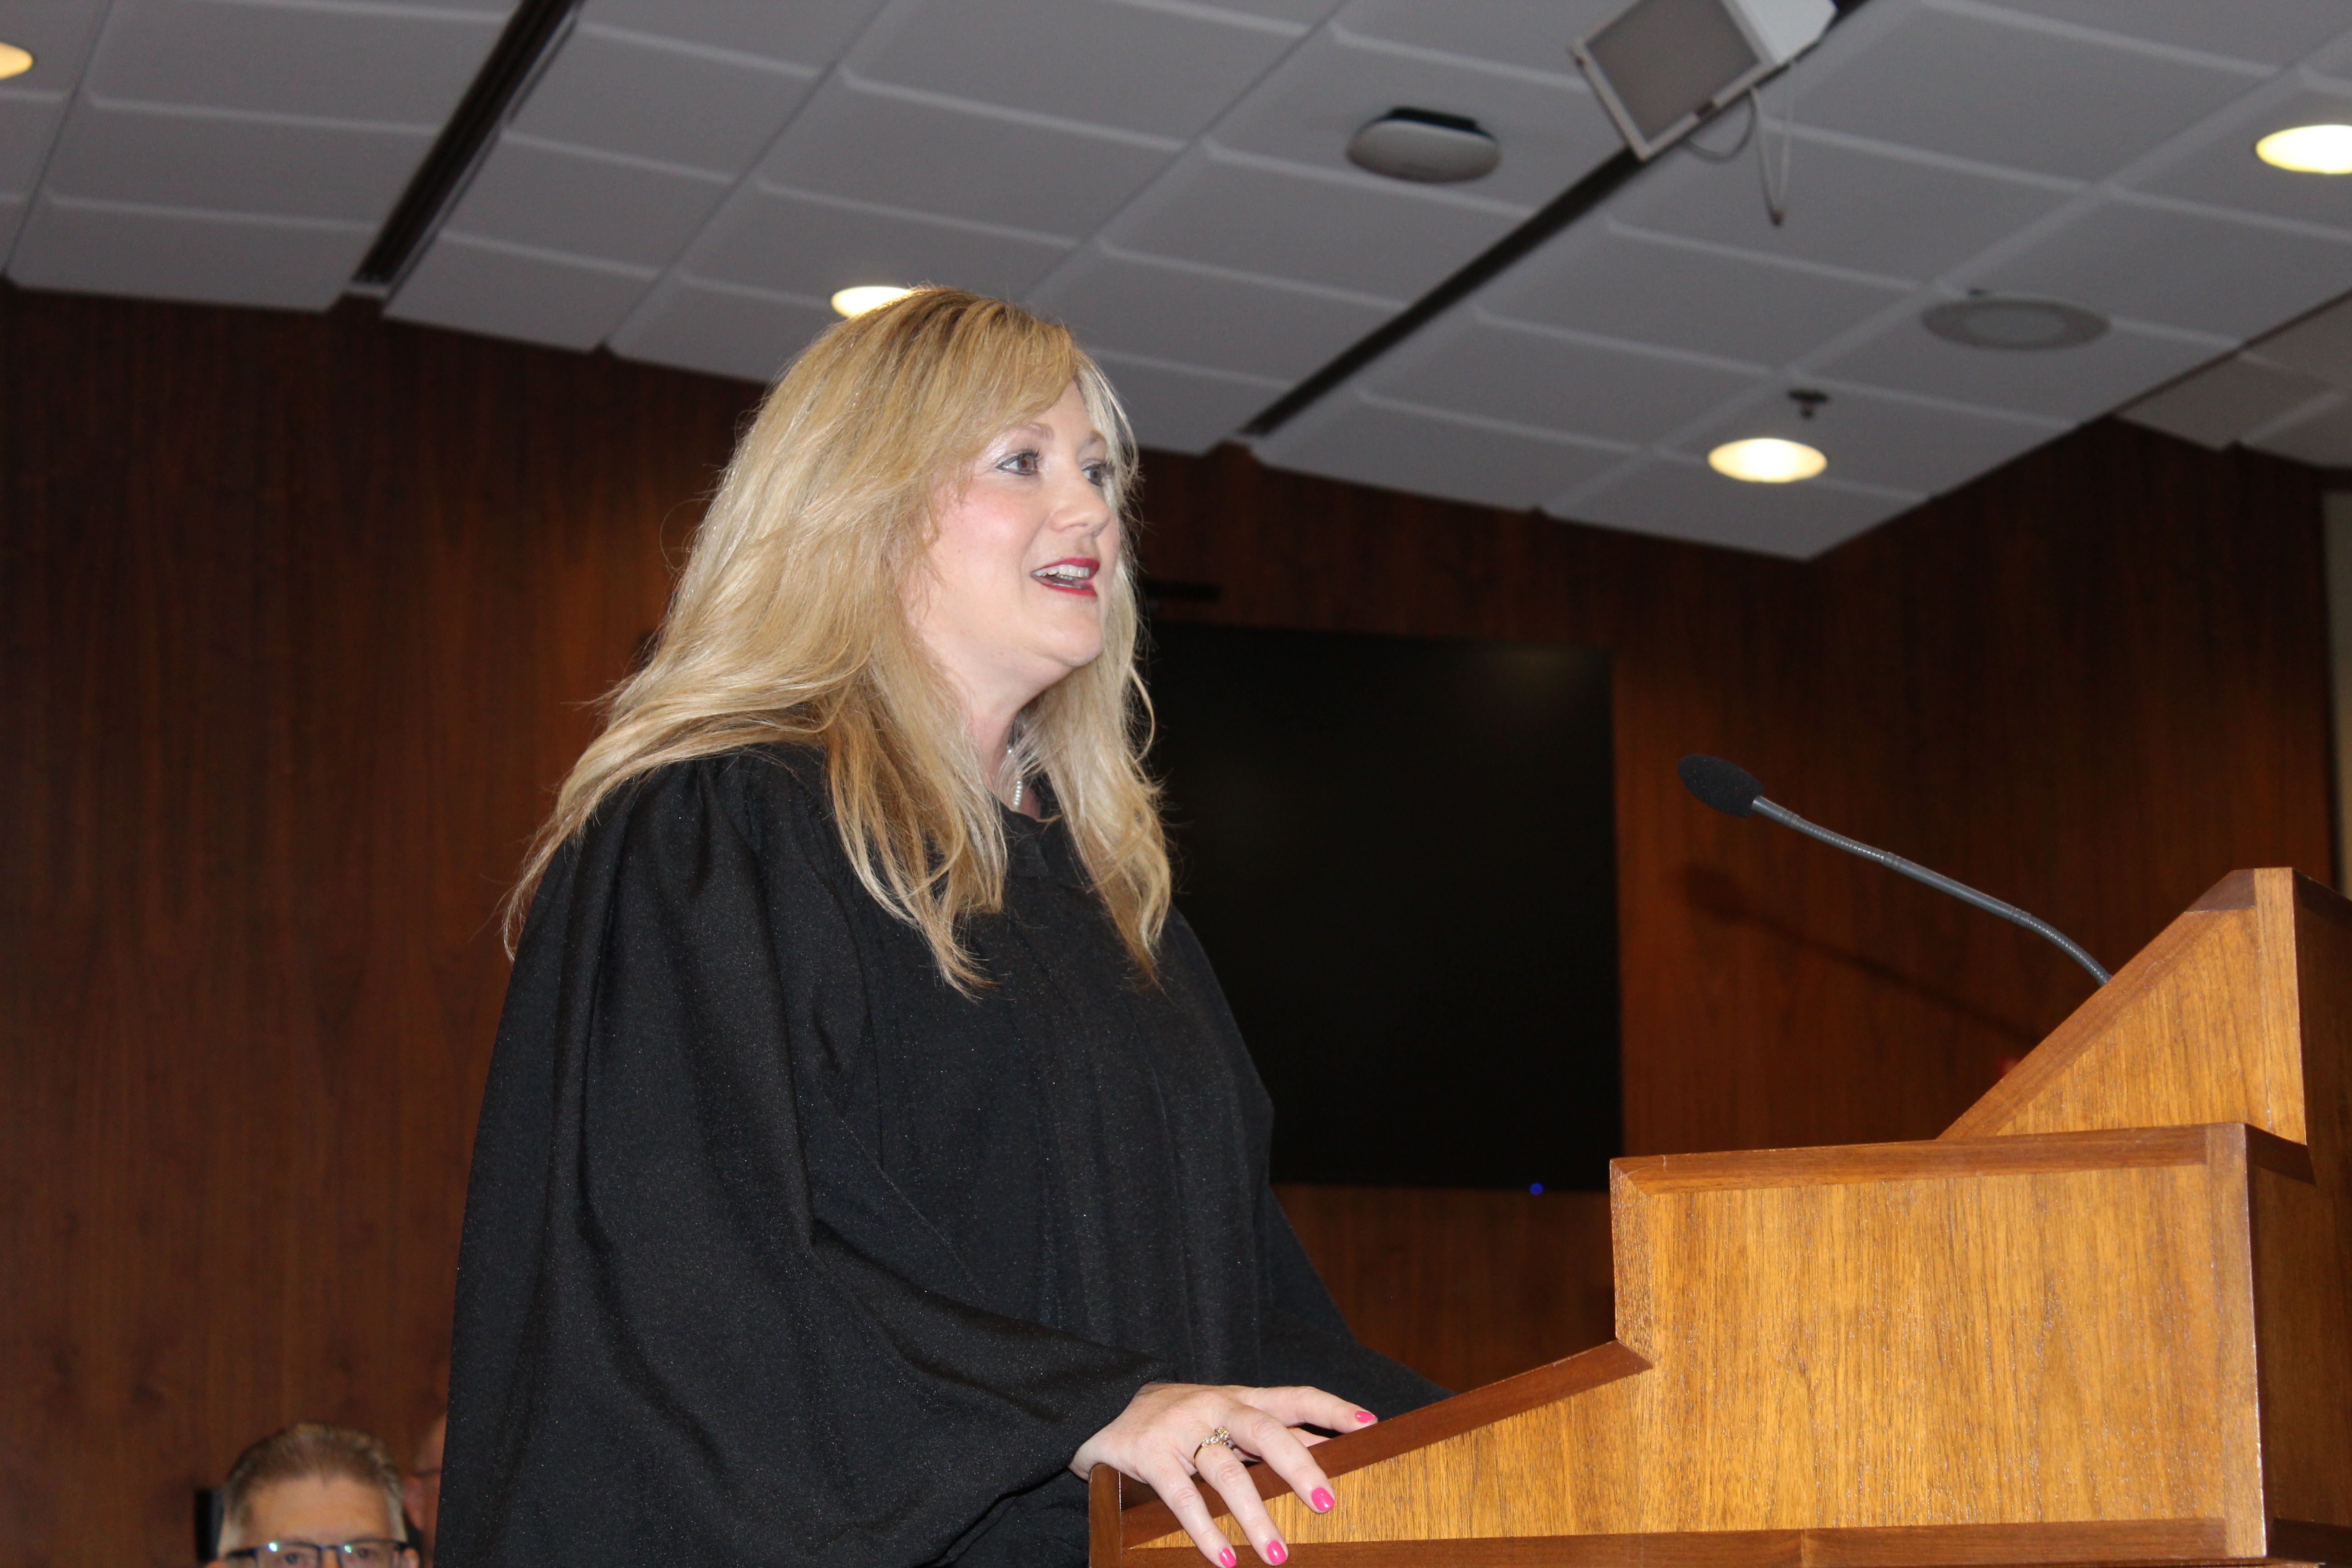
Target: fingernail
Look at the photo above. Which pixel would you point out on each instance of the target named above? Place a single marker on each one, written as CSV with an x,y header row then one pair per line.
x,y
1362,1417
1276,1551
1226,1557
1322,1499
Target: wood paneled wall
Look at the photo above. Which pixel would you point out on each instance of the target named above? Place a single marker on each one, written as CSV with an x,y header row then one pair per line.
x,y
2090,683
299,616
1467,1286
300,613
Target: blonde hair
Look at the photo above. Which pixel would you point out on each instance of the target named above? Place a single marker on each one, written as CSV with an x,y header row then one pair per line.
x,y
789,624
309,1450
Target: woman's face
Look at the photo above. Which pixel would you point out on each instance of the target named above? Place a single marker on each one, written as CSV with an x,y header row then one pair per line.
x,y
1009,603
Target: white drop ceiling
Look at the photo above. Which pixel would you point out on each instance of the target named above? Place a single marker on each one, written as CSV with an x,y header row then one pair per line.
x,y
686,182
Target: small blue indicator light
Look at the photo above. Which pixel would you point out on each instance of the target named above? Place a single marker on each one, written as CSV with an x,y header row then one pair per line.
x,y
1535,1187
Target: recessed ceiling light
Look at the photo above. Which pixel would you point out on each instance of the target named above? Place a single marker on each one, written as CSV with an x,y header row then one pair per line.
x,y
2308,148
2007,321
1767,460
14,61
1425,146
867,296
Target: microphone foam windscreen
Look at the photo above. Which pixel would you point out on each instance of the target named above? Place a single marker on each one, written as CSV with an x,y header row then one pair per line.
x,y
1727,786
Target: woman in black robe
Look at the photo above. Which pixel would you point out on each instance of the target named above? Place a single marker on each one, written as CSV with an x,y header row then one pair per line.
x,y
869,1150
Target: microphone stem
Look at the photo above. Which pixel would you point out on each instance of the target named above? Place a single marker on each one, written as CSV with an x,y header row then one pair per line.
x,y
1991,906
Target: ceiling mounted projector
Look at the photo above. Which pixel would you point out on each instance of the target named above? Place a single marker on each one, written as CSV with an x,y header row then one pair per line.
x,y
1662,66
1426,146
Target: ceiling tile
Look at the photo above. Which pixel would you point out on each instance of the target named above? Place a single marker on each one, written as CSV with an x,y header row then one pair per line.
x,y
1427,452
1357,232
1890,443
1574,386
2324,437
1680,498
1161,72
2199,271
2320,345
1647,288
927,157
2024,98
376,63
28,123
235,162
1522,34
1182,409
2273,32
1306,13
725,332
793,243
2218,166
1861,210
507,291
547,197
2060,384
1190,315
2224,401
1552,130
805,32
622,93
110,247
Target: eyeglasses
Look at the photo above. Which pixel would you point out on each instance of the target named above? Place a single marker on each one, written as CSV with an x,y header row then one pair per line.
x,y
374,1553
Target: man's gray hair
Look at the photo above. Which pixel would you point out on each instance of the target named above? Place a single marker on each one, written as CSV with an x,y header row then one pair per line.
x,y
310,1451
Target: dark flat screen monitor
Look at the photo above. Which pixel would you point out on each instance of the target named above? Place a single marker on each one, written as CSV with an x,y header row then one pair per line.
x,y
1400,854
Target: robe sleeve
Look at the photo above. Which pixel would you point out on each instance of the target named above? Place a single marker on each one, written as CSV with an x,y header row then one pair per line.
x,y
693,1316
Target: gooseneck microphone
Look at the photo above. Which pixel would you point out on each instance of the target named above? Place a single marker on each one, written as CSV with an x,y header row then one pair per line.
x,y
1733,790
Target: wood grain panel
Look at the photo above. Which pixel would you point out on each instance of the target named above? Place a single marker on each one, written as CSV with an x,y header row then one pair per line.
x,y
300,613
2110,1545
2303,1295
2021,1341
1466,1288
2204,1024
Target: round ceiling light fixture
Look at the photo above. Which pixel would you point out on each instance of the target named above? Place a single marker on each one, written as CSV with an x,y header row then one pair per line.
x,y
2308,148
2008,321
866,297
1425,146
1767,460
14,61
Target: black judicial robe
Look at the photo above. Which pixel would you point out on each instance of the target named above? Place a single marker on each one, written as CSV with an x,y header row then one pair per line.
x,y
778,1250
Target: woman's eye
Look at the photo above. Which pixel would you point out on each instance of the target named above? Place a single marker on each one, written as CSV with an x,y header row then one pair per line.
x,y
1020,463
1098,474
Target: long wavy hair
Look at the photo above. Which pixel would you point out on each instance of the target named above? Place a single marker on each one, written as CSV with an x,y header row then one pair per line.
x,y
789,624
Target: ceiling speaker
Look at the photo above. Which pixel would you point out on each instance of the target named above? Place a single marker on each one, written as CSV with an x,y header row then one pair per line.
x,y
1423,145
1662,66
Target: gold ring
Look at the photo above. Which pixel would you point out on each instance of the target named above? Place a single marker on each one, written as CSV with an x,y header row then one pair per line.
x,y
1220,1439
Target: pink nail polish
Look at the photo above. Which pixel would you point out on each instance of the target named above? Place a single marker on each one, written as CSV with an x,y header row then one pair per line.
x,y
1322,1499
1276,1551
1362,1417
1226,1557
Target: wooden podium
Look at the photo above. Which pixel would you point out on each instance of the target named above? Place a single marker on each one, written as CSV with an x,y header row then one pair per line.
x,y
2105,1318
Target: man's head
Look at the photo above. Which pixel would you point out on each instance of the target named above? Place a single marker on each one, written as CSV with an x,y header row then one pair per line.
x,y
317,1486
423,1492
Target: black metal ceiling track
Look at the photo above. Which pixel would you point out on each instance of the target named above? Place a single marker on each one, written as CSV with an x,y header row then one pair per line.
x,y
1480,271
535,26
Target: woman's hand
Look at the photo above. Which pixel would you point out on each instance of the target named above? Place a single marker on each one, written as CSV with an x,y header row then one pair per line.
x,y
1158,1440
